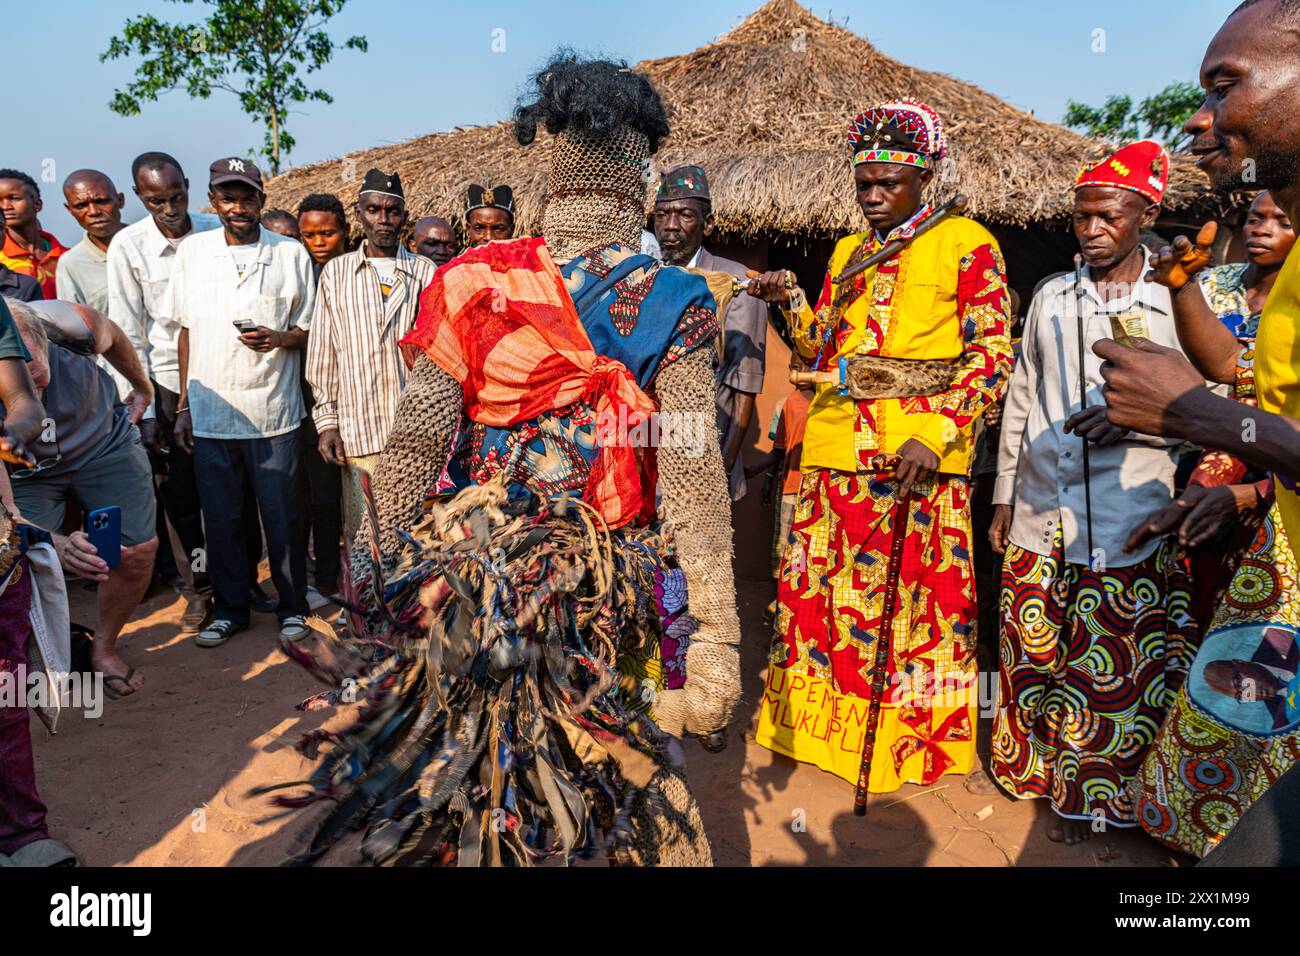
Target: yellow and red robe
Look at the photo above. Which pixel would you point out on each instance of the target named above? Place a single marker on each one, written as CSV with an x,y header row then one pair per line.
x,y
942,297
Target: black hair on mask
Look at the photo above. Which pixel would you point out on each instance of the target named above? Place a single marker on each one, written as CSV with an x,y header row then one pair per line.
x,y
590,98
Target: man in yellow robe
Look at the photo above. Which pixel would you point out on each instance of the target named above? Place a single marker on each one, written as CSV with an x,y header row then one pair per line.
x,y
882,531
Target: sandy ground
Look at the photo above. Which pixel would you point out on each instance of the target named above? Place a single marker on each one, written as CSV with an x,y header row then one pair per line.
x,y
162,778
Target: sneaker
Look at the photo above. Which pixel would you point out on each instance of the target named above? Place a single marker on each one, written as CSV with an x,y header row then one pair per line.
x,y
218,632
317,599
260,601
294,628
196,612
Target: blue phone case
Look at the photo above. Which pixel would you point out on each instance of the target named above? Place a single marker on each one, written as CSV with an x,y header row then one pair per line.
x,y
104,529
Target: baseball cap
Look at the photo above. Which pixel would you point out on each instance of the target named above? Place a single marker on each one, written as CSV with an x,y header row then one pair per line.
x,y
235,170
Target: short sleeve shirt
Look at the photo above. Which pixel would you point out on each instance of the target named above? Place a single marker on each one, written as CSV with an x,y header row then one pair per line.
x,y
11,343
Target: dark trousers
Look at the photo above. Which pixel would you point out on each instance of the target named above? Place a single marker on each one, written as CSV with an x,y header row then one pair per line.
x,y
321,497
988,569
22,814
178,494
1268,834
271,465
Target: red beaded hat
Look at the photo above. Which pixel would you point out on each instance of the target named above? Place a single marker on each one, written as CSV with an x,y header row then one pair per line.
x,y
1142,167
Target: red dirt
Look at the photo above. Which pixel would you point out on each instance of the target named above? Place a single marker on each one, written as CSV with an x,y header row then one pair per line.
x,y
162,778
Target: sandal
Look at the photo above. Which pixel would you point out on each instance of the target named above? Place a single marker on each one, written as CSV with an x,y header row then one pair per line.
x,y
126,683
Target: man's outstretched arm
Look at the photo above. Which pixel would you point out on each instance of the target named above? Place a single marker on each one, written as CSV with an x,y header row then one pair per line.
x,y
1156,391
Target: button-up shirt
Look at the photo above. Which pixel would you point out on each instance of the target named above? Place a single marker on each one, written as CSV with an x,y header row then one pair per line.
x,y
233,391
744,355
942,297
353,362
83,277
1040,467
140,262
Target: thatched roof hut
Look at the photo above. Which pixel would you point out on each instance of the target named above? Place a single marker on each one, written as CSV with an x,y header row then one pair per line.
x,y
764,110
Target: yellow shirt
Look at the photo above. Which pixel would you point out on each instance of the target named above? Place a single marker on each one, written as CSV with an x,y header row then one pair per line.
x,y
1277,375
943,297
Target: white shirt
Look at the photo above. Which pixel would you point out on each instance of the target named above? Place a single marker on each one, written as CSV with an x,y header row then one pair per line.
x,y
242,256
82,275
233,391
385,269
139,266
1040,468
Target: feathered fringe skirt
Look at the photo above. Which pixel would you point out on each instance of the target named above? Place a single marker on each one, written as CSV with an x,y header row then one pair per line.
x,y
506,687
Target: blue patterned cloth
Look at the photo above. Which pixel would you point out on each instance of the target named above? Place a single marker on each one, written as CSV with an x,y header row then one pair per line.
x,y
636,311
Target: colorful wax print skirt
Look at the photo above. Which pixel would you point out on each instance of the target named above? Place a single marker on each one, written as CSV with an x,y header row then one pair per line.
x,y
1234,728
1090,663
831,602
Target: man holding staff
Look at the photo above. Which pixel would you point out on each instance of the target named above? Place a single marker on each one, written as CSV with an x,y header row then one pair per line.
x,y
1097,631
876,608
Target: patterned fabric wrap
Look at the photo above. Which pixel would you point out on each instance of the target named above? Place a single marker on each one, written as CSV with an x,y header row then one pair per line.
x,y
1224,288
831,600
541,382
663,663
1216,754
1090,664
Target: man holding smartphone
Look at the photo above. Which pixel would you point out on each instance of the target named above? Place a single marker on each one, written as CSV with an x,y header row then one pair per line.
x,y
243,296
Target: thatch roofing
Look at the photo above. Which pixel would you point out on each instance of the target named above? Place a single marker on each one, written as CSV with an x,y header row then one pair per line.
x,y
764,110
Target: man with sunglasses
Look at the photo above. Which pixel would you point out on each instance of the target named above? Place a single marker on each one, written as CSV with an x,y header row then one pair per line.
x,y
89,451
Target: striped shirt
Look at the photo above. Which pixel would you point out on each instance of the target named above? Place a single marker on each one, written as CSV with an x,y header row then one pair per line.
x,y
353,364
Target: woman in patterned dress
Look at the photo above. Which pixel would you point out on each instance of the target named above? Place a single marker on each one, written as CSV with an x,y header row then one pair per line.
x,y
1212,758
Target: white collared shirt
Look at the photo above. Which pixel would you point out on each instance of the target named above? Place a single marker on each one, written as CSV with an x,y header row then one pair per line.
x,y
234,392
140,262
1040,468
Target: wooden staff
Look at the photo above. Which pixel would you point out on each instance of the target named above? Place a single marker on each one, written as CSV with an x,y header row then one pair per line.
x,y
953,206
1083,397
884,641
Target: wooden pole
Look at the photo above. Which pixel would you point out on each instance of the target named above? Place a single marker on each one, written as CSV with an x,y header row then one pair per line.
x,y
884,640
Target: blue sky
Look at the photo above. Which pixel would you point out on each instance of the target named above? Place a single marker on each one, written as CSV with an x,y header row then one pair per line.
x,y
431,66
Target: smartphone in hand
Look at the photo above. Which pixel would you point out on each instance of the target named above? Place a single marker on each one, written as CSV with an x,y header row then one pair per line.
x,y
104,529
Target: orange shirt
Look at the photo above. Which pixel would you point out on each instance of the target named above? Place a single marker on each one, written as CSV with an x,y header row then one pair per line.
x,y
40,267
789,438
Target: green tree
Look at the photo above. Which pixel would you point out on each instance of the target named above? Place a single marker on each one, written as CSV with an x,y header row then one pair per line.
x,y
1158,117
251,48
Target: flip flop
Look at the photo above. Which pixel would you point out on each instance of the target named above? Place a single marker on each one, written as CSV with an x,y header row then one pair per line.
x,y
44,853
126,682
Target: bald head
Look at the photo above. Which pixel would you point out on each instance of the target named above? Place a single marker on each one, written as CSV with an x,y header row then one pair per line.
x,y
89,177
95,203
1280,12
434,239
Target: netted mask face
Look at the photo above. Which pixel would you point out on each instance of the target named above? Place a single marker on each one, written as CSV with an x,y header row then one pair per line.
x,y
595,192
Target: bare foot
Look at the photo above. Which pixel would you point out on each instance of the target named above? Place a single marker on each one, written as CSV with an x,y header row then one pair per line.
x,y
1061,830
111,665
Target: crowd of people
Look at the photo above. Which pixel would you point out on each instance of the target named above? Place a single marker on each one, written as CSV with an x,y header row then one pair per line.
x,y
1103,490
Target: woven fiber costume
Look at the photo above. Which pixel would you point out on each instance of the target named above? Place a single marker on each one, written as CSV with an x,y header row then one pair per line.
x,y
536,656
876,596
